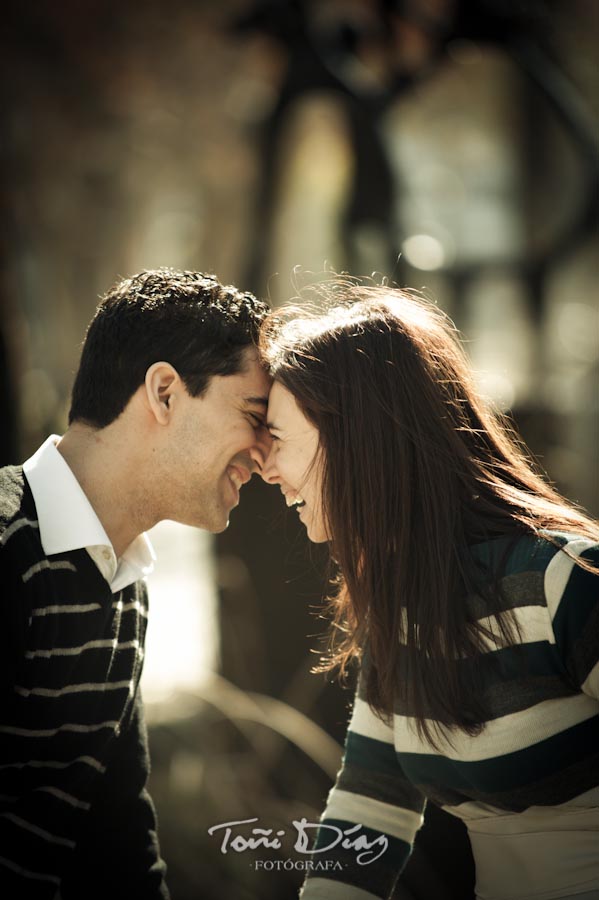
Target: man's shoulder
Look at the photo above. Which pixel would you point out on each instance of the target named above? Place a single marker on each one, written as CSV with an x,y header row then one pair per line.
x,y
17,509
12,490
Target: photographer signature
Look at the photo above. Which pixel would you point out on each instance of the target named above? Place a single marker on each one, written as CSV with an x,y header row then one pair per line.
x,y
330,836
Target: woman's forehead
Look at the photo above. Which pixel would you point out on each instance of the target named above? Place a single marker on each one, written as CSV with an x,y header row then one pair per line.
x,y
280,400
283,411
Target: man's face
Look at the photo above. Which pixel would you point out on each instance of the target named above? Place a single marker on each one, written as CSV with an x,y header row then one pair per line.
x,y
217,441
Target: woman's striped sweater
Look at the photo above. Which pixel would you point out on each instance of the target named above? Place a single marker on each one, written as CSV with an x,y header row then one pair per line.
x,y
75,819
527,787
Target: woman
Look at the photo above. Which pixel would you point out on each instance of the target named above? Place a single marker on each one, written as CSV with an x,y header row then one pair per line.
x,y
467,589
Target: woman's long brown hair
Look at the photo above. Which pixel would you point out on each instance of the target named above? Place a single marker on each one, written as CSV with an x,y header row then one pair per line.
x,y
416,469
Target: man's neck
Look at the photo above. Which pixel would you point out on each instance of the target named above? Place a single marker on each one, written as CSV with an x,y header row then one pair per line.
x,y
104,466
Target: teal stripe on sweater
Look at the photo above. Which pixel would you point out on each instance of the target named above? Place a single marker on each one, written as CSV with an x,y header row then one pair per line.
x,y
512,770
580,598
371,754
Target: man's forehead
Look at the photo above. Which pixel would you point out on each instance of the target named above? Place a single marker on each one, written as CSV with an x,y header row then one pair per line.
x,y
251,363
253,381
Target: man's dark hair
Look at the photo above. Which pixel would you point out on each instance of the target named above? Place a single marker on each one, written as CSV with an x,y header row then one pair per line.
x,y
188,319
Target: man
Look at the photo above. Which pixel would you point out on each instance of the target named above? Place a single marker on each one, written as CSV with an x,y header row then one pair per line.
x,y
166,422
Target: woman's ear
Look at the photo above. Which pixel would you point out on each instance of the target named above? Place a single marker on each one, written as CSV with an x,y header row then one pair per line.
x,y
161,384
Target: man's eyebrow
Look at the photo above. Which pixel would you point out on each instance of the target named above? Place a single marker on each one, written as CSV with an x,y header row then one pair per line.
x,y
256,401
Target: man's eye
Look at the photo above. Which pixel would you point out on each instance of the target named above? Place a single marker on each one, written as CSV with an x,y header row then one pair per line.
x,y
256,421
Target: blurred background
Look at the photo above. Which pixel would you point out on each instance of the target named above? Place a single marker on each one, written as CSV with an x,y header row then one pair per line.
x,y
448,145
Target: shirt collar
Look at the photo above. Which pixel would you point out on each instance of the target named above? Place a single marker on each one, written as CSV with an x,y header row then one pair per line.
x,y
67,520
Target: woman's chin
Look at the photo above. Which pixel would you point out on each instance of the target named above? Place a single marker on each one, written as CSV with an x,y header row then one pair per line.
x,y
316,535
315,530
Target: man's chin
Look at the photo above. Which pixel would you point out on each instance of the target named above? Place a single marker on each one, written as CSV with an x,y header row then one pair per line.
x,y
220,522
220,528
213,525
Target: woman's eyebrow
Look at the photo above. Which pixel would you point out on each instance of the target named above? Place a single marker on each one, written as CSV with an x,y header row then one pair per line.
x,y
272,427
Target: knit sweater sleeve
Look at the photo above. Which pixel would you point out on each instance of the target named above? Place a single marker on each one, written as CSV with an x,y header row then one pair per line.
x,y
117,854
113,850
372,815
21,834
572,595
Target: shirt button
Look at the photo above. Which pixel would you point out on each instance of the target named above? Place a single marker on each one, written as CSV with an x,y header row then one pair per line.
x,y
106,554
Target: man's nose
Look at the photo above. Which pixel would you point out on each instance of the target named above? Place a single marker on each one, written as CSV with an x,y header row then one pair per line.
x,y
268,470
261,449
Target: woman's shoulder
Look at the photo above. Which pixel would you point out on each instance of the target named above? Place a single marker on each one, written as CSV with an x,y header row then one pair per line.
x,y
533,552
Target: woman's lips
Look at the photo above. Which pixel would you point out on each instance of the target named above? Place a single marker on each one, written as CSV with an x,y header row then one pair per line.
x,y
293,499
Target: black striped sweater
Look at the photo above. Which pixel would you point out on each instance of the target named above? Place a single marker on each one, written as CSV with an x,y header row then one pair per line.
x,y
75,818
527,786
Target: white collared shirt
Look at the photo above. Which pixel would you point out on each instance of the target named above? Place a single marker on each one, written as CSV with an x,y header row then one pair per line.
x,y
67,520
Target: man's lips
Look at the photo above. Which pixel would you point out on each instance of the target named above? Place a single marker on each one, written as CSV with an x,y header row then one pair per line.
x,y
238,474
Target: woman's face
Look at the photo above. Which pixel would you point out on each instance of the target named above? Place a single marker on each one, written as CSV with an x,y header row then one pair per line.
x,y
292,462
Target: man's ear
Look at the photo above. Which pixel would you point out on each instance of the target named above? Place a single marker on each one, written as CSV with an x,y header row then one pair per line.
x,y
161,384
